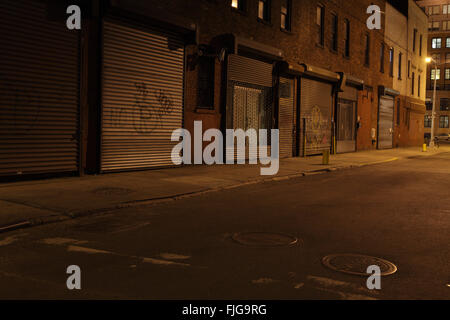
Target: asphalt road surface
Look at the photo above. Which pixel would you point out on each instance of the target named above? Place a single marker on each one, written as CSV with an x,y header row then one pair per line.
x,y
185,249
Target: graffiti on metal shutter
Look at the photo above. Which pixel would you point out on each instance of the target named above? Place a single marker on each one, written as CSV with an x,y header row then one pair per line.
x,y
151,106
317,129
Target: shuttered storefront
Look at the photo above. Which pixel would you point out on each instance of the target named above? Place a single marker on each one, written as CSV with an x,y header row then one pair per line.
x,y
286,116
346,120
39,91
250,101
385,122
315,116
142,95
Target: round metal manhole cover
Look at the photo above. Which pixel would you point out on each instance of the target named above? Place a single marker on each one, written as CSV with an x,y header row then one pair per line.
x,y
357,264
112,191
264,239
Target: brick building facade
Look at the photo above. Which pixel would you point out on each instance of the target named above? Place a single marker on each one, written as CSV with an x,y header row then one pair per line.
x,y
311,69
439,49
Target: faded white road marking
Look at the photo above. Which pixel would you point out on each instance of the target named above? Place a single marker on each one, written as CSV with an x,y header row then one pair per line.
x,y
8,240
345,295
299,285
164,262
87,250
173,256
336,286
75,248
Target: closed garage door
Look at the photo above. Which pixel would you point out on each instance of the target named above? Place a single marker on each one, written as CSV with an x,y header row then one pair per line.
x,y
385,122
286,116
39,91
315,116
142,98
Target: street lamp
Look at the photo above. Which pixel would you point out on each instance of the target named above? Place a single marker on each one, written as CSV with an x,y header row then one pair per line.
x,y
428,60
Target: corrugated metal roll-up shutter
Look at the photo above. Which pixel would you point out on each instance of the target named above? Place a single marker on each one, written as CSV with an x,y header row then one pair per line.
x,y
243,69
250,100
39,91
142,95
286,111
315,116
385,122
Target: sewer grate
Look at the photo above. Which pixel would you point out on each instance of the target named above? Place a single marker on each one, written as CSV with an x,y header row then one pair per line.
x,y
264,239
112,191
357,264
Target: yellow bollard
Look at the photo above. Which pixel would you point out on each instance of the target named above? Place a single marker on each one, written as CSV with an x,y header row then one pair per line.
x,y
326,157
424,147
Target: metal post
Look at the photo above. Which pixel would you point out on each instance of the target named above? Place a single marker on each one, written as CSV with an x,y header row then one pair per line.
x,y
434,106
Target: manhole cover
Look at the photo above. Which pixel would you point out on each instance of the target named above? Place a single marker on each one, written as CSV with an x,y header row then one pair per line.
x,y
112,191
357,264
264,239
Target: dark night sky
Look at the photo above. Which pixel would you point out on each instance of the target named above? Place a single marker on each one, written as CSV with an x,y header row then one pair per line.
x,y
400,5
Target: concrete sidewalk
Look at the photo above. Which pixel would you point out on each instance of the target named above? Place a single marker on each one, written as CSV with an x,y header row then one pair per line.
x,y
35,202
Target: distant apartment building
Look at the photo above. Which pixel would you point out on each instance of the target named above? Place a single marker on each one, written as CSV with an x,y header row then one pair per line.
x,y
438,12
406,37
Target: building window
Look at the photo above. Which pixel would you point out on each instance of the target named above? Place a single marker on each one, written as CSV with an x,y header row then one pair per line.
x,y
420,45
412,84
427,121
238,4
286,6
429,105
264,10
367,51
418,85
438,74
446,9
433,10
433,25
346,38
447,74
445,104
443,122
206,82
414,40
382,57
334,32
391,62
447,42
400,66
446,25
320,19
436,43
409,68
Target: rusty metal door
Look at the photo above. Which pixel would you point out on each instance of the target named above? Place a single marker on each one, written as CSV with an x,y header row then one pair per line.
x,y
39,91
142,95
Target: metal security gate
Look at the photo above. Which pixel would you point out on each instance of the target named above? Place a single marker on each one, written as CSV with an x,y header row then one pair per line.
x,y
246,113
345,133
315,116
142,95
385,122
250,102
286,118
39,91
